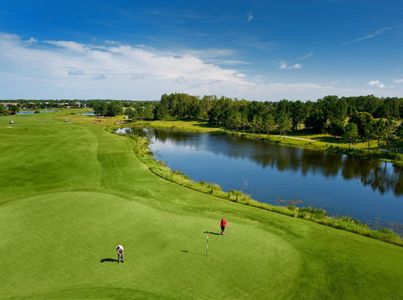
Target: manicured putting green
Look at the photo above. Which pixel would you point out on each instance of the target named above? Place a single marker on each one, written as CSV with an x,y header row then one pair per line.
x,y
70,192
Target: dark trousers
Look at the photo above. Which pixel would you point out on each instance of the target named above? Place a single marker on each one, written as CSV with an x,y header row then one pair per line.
x,y
120,257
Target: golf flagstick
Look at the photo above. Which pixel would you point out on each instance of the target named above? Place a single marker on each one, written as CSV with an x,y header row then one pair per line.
x,y
206,242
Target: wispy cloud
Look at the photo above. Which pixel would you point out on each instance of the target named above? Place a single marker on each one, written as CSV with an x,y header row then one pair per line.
x,y
250,17
233,62
284,65
399,80
306,56
372,34
376,83
69,45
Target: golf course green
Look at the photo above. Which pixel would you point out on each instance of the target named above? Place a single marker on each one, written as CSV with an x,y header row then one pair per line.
x,y
71,191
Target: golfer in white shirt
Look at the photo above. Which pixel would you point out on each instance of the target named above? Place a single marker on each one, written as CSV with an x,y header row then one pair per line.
x,y
119,252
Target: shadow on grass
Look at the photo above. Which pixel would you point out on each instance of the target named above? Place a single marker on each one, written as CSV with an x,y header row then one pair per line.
x,y
192,253
108,259
214,233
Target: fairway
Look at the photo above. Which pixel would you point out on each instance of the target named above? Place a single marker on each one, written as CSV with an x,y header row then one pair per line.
x,y
71,191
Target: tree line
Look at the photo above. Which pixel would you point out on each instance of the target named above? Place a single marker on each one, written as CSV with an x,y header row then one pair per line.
x,y
361,118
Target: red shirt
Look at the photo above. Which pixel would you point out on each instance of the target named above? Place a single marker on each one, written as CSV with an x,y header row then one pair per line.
x,y
223,222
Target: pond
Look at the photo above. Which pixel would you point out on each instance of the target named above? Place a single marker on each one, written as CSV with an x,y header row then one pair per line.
x,y
88,113
31,112
367,190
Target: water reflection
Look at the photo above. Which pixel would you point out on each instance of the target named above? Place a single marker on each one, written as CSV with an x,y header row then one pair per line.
x,y
380,176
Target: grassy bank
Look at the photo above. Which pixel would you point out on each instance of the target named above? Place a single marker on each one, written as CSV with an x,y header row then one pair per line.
x,y
316,215
70,191
320,142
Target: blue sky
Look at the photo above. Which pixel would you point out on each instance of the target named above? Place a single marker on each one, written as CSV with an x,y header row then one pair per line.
x,y
260,50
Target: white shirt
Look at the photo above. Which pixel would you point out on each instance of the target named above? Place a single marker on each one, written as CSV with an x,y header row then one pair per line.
x,y
120,248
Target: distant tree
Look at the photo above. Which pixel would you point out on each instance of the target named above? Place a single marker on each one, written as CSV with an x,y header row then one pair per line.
x,y
13,109
363,121
350,134
114,108
316,119
205,106
219,111
269,124
335,108
380,129
130,113
100,107
284,123
394,136
107,108
335,127
369,131
257,123
299,114
234,120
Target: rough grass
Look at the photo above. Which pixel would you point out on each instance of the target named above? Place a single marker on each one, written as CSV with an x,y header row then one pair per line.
x,y
70,191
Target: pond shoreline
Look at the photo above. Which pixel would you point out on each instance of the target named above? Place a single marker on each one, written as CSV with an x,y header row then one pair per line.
x,y
292,141
320,216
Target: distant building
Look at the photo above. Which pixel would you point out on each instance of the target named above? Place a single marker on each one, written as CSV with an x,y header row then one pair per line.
x,y
7,104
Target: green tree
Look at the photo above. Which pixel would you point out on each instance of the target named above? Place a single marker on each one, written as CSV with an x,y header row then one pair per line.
x,y
269,123
113,108
369,131
298,114
380,129
284,123
234,120
363,121
13,109
130,113
335,127
350,134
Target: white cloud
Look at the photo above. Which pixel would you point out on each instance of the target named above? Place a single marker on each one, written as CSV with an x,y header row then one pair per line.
x,y
31,40
283,65
68,45
376,83
250,17
400,80
67,69
70,70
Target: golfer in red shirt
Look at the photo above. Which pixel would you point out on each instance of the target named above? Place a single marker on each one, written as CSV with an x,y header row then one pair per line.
x,y
223,224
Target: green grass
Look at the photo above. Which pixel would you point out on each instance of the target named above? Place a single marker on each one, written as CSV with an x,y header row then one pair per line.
x,y
180,125
71,191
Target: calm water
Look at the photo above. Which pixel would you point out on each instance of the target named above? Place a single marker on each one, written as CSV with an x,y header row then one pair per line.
x,y
31,112
88,113
368,190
